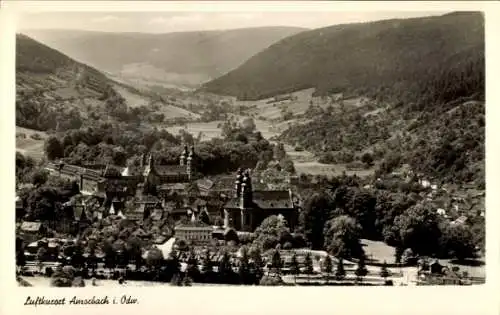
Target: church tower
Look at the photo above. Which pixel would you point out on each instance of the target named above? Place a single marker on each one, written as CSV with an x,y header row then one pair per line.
x,y
148,167
237,186
246,199
190,163
184,155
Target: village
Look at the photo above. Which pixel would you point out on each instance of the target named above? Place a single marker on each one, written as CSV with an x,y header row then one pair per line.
x,y
213,225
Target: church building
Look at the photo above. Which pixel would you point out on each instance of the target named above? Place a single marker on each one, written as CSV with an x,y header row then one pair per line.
x,y
246,210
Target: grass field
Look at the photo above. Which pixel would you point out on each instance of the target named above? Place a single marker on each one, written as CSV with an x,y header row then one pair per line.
x,y
209,130
378,252
29,146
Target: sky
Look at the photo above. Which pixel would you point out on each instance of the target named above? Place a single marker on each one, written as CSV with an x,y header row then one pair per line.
x,y
165,22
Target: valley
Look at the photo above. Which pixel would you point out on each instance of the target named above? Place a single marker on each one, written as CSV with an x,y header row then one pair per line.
x,y
237,151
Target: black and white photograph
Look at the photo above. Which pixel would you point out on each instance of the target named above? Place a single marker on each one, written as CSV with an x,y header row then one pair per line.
x,y
250,148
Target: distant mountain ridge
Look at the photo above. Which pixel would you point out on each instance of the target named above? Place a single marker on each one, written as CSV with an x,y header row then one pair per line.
x,y
362,56
180,57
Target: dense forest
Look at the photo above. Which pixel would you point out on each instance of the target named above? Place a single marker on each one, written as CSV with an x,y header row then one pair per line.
x,y
395,57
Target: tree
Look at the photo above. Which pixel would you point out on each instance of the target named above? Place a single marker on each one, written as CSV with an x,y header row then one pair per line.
x,y
176,280
225,268
193,270
457,241
361,271
63,277
173,268
243,269
204,217
340,271
206,264
187,281
314,216
287,165
248,125
41,256
308,264
276,262
40,177
327,267
271,232
279,152
342,237
294,267
53,148
257,263
418,229
367,158
384,272
154,258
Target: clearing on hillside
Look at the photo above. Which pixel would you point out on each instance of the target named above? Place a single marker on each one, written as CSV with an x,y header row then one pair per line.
x,y
30,142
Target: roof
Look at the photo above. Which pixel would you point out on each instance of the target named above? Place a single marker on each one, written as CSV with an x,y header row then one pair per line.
x,y
180,210
134,215
148,199
172,186
197,225
78,210
170,169
270,199
31,226
157,214
223,183
199,202
205,184
74,170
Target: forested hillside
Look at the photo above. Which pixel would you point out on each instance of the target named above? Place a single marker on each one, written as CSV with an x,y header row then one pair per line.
x,y
55,92
392,58
424,79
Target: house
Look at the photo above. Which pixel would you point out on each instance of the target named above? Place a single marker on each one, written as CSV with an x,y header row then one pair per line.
x,y
441,212
31,231
204,186
180,213
459,221
435,267
194,232
248,208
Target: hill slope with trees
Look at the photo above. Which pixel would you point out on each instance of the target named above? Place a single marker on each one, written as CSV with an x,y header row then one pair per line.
x,y
404,56
423,79
55,92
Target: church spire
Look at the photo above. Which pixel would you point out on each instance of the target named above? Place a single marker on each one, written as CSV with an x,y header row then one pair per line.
x,y
184,155
149,165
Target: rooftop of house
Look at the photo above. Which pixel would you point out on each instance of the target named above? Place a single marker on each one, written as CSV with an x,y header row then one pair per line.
x,y
157,214
196,225
204,184
31,226
172,186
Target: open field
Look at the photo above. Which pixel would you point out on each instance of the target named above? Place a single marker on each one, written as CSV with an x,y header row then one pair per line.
x,y
378,252
29,146
209,130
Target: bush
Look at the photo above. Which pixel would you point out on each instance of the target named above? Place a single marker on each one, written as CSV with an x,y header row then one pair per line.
x,y
271,281
48,272
36,136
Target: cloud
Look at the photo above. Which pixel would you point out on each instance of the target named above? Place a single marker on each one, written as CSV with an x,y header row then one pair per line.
x,y
106,19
